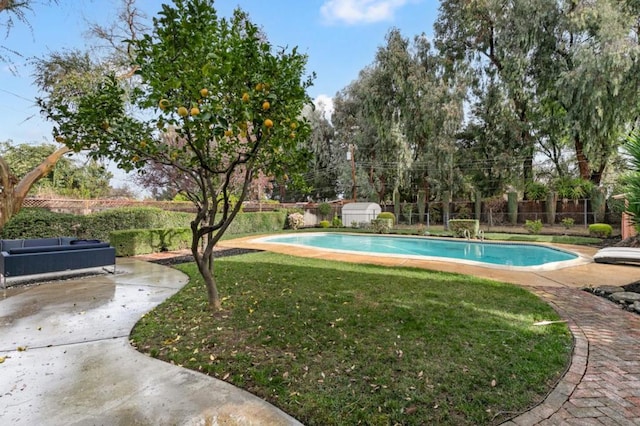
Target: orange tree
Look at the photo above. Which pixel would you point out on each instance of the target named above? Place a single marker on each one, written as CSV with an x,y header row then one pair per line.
x,y
221,94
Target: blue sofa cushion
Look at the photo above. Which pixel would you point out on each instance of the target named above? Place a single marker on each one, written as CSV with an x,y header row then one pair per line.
x,y
83,242
46,249
39,242
6,245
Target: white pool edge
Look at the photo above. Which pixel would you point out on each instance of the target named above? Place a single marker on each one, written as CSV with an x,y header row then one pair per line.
x,y
551,266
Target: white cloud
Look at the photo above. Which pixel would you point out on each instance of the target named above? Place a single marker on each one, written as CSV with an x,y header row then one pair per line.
x,y
324,104
360,11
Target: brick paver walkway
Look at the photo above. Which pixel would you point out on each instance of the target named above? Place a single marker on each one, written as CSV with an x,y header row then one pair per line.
x,y
602,385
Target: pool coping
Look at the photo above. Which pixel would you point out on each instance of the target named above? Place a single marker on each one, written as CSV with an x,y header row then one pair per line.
x,y
581,258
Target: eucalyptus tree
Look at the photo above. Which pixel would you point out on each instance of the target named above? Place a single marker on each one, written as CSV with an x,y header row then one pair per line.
x,y
569,69
322,170
491,38
587,66
432,115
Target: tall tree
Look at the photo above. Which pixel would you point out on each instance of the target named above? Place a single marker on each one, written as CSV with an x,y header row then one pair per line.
x,y
569,69
70,176
234,102
13,190
322,171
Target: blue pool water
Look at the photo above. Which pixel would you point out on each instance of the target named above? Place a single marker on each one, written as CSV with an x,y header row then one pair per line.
x,y
518,255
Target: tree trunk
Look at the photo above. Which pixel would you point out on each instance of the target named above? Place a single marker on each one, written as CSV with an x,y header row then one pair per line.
x,y
583,161
205,265
13,193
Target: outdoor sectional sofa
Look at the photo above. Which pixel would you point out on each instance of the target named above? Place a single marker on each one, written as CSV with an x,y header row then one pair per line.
x,y
45,255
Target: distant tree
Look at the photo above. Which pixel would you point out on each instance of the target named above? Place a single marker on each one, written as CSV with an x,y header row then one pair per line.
x,y
234,102
568,68
13,190
70,176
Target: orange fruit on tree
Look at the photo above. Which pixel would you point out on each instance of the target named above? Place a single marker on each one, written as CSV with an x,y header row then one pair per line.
x,y
245,97
183,112
163,104
268,123
204,92
195,111
259,87
266,105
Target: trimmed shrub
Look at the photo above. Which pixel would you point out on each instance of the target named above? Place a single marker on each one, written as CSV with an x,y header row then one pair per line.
x,y
295,221
533,226
324,224
459,226
135,242
600,230
381,226
42,223
248,223
336,222
387,215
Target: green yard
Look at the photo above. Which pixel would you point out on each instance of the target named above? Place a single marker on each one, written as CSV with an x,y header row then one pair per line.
x,y
342,344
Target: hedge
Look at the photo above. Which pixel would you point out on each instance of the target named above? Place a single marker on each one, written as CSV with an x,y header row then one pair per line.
x,y
42,223
459,226
134,242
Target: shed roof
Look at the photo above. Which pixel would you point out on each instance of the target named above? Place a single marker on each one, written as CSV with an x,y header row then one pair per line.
x,y
361,207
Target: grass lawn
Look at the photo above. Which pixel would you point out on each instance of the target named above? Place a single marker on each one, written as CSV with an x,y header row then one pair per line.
x,y
335,343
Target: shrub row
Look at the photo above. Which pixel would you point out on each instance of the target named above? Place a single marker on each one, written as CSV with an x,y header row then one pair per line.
x,y
134,242
42,223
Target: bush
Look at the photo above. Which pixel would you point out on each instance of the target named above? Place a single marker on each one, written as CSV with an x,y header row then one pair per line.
x,y
336,222
135,242
248,223
568,222
324,209
381,226
42,223
387,215
600,230
459,226
536,191
295,221
324,224
533,226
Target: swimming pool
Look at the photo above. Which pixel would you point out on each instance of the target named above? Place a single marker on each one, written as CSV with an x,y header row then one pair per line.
x,y
465,251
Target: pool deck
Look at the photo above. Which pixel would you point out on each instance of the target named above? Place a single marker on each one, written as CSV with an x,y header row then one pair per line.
x,y
602,383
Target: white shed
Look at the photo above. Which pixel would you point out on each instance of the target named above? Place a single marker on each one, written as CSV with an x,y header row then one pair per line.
x,y
359,213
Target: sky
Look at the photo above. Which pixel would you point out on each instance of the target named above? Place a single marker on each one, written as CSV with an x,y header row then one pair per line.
x,y
340,37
